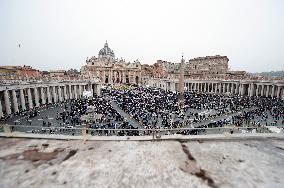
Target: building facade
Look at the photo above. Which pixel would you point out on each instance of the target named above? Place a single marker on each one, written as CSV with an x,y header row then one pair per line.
x,y
19,72
109,69
209,67
215,66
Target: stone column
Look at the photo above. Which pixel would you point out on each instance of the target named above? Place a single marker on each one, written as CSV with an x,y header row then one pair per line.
x,y
70,92
172,86
243,89
236,89
60,93
23,102
48,95
123,77
36,97
197,86
228,87
272,91
54,94
278,92
232,88
115,76
1,110
83,88
80,91
249,90
30,100
208,87
257,88
43,100
15,101
104,77
110,76
75,92
262,90
7,102
224,87
65,93
134,77
267,90
240,89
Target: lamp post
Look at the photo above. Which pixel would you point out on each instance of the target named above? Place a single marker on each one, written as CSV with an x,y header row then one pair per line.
x,y
154,117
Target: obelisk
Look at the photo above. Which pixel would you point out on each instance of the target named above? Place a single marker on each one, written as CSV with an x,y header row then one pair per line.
x,y
181,84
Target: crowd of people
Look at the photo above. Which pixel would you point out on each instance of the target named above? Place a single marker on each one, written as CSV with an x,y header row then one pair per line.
x,y
160,109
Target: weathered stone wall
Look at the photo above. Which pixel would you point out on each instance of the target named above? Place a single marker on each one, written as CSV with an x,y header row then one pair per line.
x,y
208,65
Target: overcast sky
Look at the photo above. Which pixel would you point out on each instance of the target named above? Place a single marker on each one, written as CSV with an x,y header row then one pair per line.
x,y
61,34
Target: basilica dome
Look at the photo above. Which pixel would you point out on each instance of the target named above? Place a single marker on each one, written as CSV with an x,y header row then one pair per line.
x,y
106,51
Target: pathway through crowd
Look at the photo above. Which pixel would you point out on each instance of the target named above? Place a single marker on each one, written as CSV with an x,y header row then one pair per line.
x,y
126,116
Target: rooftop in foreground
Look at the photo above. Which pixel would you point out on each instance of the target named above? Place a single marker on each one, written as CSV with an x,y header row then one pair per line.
x,y
196,163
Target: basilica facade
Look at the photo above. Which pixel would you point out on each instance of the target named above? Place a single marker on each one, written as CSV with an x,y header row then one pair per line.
x,y
109,69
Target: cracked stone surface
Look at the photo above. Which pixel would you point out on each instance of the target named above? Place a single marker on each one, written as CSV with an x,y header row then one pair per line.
x,y
200,163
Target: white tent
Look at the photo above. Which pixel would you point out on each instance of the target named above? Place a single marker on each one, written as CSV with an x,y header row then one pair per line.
x,y
87,94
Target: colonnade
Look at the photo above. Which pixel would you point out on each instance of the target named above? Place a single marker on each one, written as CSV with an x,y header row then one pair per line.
x,y
15,98
240,87
113,75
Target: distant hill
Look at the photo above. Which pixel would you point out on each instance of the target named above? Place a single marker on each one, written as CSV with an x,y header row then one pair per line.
x,y
271,73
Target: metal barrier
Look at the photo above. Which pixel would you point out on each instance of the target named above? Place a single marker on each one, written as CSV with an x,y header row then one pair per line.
x,y
154,132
